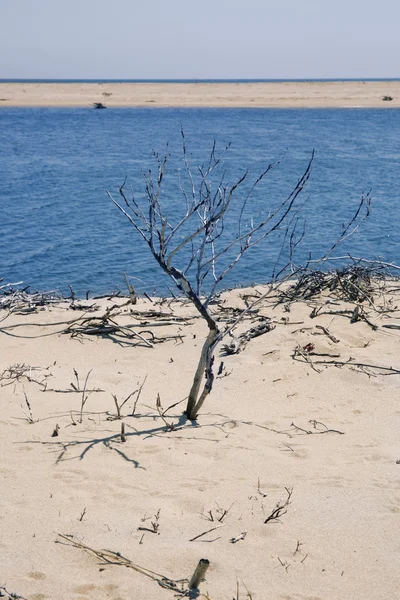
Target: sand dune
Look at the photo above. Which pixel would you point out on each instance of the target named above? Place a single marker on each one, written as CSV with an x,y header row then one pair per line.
x,y
279,94
273,425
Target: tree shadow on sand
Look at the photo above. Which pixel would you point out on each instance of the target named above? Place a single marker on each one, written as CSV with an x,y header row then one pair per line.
x,y
177,425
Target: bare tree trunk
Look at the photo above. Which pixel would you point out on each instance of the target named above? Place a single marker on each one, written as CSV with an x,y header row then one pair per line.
x,y
197,251
204,368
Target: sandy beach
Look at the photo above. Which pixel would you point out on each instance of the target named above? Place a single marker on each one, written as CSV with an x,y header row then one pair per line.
x,y
346,94
304,419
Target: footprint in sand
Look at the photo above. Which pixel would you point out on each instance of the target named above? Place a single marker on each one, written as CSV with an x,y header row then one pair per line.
x,y
37,575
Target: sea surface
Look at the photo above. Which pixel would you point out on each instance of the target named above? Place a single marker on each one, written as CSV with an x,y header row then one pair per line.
x,y
58,226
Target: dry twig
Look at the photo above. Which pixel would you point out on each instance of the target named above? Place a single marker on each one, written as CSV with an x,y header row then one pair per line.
x,y
4,593
205,532
108,557
316,424
281,507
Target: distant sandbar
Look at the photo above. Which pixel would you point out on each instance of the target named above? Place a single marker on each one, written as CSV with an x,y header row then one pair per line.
x,y
301,94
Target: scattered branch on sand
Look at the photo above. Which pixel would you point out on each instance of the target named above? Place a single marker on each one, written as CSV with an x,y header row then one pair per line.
x,y
353,283
266,428
154,524
106,325
362,284
288,448
229,314
4,593
284,564
208,531
281,507
304,352
9,329
83,513
326,331
259,491
362,367
159,318
239,343
238,538
20,372
297,549
84,307
317,428
356,314
22,301
108,557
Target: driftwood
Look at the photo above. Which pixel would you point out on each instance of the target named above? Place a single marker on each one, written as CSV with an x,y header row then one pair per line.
x,y
230,313
352,283
236,539
196,537
238,343
305,354
355,315
4,593
199,573
352,363
108,557
24,301
163,318
317,428
21,372
106,324
391,326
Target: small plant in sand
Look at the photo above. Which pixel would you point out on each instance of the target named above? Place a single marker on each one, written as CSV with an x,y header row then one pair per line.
x,y
29,416
85,391
135,395
195,243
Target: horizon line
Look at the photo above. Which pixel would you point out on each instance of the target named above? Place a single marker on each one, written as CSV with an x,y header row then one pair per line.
x,y
189,80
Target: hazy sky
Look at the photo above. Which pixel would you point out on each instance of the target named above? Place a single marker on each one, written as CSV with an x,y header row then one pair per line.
x,y
203,39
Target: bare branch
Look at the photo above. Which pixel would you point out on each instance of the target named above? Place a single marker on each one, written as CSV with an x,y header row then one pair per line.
x,y
194,249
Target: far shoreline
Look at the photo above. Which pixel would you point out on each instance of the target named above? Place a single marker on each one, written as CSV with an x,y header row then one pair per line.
x,y
203,94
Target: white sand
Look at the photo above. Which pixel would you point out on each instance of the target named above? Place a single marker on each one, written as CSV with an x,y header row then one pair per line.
x,y
285,94
343,518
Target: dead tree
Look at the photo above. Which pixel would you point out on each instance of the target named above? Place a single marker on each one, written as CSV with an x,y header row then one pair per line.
x,y
195,249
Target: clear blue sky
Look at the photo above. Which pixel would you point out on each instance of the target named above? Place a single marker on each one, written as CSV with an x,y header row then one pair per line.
x,y
204,39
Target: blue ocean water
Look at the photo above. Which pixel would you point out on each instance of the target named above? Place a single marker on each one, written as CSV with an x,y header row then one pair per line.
x,y
59,227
